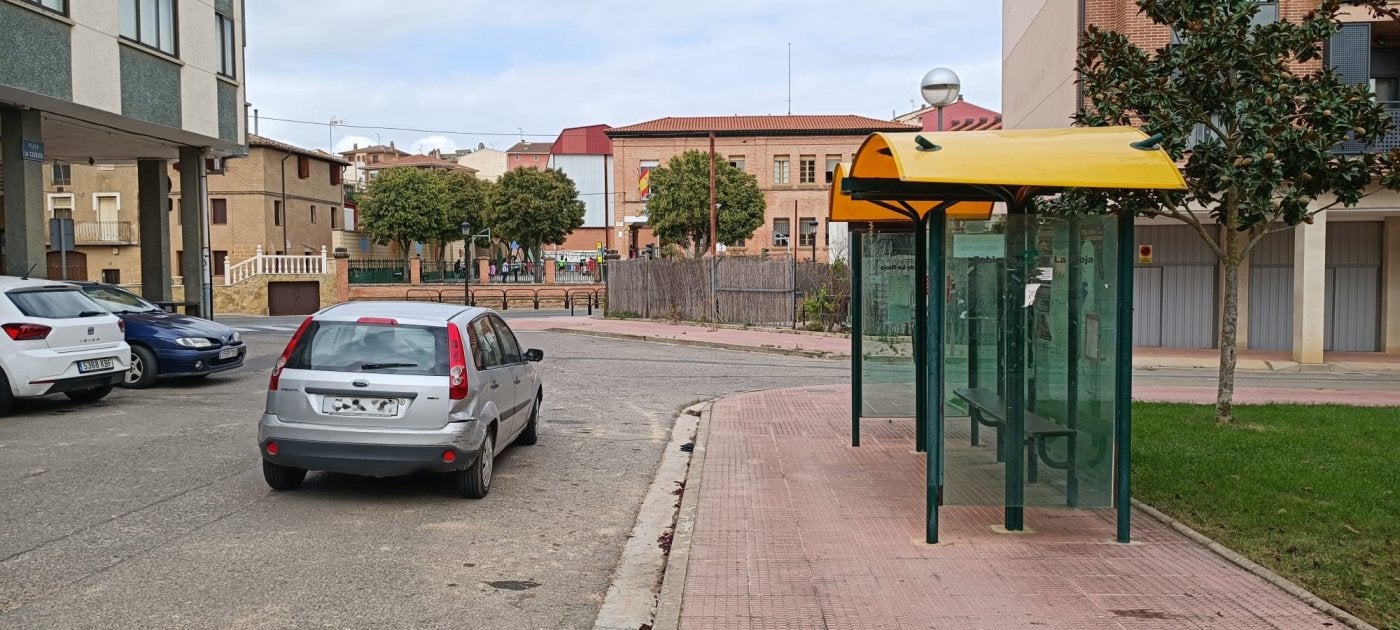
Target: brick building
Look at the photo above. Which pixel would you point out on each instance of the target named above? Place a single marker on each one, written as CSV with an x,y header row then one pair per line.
x,y
1333,285
792,156
526,154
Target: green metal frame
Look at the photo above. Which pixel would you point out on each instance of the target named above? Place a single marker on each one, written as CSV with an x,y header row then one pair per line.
x,y
857,334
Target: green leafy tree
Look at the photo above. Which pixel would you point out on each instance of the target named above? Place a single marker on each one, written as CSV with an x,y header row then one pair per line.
x,y
403,205
1269,119
535,208
467,199
677,210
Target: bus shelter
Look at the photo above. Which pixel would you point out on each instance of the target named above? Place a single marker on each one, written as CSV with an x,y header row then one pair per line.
x,y
1006,333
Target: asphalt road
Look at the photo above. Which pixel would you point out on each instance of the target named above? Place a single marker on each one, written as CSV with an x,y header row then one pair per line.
x,y
148,509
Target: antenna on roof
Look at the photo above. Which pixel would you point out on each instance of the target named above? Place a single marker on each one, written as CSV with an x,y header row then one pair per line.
x,y
27,273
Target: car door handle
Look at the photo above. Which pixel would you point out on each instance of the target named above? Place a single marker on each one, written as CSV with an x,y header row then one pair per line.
x,y
517,381
494,384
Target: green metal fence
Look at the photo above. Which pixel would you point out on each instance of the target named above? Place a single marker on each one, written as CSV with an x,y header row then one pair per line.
x,y
372,271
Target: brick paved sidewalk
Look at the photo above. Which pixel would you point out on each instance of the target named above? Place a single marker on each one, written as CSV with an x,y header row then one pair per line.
x,y
796,529
722,337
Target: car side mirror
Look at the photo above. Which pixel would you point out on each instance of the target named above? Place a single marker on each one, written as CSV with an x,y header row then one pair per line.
x,y
534,355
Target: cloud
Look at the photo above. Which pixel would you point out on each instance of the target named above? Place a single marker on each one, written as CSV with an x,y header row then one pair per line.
x,y
441,143
486,70
347,143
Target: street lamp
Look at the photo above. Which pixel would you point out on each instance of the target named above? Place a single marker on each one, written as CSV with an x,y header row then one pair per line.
x,y
466,266
814,225
940,88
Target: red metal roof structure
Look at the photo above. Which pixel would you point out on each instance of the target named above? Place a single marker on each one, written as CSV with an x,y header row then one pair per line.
x,y
960,116
781,125
590,140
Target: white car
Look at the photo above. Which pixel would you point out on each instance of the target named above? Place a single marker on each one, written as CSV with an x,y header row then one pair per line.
x,y
57,341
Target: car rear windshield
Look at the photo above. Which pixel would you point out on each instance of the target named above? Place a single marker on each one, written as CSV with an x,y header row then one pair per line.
x,y
54,303
371,348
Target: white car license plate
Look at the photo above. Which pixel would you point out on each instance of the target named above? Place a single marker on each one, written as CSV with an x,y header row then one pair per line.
x,y
94,365
350,406
228,353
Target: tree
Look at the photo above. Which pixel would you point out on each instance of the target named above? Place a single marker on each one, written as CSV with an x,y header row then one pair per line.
x,y
1268,120
535,208
466,199
403,205
677,209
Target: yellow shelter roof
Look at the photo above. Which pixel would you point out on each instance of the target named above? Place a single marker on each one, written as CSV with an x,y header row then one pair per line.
x,y
1073,157
846,209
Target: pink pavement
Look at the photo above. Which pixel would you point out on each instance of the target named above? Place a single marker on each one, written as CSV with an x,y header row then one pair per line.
x,y
723,337
797,529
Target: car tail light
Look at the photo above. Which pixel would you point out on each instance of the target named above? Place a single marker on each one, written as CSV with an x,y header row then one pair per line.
x,y
457,364
449,456
26,332
271,447
121,326
383,321
286,354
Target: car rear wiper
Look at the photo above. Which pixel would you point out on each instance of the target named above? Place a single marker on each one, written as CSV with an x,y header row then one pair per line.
x,y
380,366
92,313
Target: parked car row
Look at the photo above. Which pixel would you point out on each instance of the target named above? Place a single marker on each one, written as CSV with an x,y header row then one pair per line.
x,y
82,339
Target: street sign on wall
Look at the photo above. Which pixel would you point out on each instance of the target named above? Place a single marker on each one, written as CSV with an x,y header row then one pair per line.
x,y
33,150
1144,254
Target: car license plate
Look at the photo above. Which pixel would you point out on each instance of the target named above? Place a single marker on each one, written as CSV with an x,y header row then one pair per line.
x,y
228,353
350,406
94,365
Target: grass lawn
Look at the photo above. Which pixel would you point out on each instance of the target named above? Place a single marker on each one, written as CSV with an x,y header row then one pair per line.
x,y
1311,492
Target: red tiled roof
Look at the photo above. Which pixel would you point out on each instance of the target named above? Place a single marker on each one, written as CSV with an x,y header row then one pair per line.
x,y
960,116
260,141
802,124
529,148
378,148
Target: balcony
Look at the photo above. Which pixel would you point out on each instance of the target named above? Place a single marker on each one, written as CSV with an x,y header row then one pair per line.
x,y
104,233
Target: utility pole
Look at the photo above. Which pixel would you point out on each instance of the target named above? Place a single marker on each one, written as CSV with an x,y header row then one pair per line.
x,y
714,219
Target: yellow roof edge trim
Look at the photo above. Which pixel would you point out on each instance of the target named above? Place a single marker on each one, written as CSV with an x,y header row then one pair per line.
x,y
1070,157
844,209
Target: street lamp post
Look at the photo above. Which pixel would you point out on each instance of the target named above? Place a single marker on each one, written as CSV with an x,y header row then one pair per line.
x,y
814,225
466,266
940,89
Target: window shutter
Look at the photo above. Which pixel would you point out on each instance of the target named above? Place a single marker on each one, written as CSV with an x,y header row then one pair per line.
x,y
303,167
1349,55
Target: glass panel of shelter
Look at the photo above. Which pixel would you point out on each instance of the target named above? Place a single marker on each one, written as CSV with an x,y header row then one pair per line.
x,y
1040,286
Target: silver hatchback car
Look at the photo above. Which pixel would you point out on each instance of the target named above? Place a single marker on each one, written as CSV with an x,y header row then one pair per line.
x,y
397,388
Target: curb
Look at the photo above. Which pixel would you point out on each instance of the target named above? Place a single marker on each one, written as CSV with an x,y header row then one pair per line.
x,y
785,331
668,601
631,600
810,354
1249,565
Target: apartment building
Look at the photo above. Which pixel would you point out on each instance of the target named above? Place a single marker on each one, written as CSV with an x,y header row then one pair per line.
x,y
1333,285
525,154
792,157
121,83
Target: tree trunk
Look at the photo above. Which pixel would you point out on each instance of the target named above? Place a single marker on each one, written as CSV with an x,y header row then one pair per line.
x,y
537,258
1229,328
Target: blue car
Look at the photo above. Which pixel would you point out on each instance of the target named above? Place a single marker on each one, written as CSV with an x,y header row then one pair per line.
x,y
167,345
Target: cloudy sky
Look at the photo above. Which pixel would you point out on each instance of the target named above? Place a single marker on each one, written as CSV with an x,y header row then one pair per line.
x,y
454,73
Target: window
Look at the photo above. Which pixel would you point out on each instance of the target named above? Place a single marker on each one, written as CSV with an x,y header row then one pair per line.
x,y
374,159
780,169
1386,89
313,214
807,170
224,24
737,243
57,6
371,348
53,303
62,174
807,232
61,206
510,348
150,23
111,276
831,162
335,174
116,299
737,161
216,261
335,218
218,211
486,347
782,231
303,167
277,213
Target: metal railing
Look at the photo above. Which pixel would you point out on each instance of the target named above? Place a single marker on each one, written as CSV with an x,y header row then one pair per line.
x,y
280,265
376,271
104,233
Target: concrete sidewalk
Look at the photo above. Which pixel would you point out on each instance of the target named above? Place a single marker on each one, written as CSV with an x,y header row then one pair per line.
x,y
797,529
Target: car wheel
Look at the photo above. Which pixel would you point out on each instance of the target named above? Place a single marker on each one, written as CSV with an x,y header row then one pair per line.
x,y
281,477
143,369
7,397
474,481
89,395
529,435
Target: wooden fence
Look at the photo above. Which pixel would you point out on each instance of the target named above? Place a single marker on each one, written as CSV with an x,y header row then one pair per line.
x,y
729,289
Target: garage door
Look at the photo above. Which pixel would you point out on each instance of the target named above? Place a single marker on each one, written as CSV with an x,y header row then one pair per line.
x,y
1271,293
1174,295
1353,285
293,298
